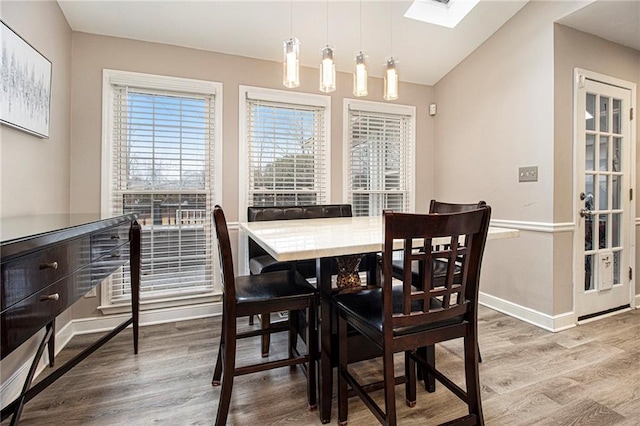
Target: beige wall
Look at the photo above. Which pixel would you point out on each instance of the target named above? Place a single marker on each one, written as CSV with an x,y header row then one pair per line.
x,y
495,113
34,172
93,53
575,49
514,97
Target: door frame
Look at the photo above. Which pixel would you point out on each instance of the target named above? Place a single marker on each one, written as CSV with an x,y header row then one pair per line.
x,y
605,79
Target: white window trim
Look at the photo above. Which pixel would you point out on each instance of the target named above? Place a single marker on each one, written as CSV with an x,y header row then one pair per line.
x,y
275,95
371,106
158,82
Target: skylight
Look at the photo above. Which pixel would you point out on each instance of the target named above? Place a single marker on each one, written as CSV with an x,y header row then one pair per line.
x,y
446,13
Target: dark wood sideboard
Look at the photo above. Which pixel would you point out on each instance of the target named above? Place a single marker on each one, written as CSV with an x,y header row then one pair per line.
x,y
48,262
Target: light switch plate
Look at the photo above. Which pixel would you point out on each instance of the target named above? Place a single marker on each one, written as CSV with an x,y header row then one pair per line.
x,y
528,174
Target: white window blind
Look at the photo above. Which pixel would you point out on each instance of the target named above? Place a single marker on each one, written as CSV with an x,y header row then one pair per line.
x,y
162,162
286,145
379,161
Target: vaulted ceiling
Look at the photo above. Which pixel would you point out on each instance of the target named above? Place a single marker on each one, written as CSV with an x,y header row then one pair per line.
x,y
257,28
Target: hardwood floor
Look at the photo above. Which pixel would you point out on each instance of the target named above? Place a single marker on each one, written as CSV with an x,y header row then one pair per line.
x,y
587,375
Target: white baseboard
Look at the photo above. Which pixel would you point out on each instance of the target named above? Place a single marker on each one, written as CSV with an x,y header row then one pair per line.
x,y
12,387
553,323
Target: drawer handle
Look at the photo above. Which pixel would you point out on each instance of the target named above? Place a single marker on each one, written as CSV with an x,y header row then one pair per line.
x,y
54,296
52,265
115,255
115,237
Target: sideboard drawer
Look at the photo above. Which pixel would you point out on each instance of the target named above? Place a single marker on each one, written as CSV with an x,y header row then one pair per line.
x,y
26,317
106,241
107,264
25,275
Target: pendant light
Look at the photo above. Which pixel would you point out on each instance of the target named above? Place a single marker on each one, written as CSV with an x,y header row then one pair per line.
x,y
327,66
360,71
391,80
391,71
291,62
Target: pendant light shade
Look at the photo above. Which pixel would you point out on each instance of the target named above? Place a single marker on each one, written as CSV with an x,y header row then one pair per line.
x,y
360,75
290,64
327,70
391,80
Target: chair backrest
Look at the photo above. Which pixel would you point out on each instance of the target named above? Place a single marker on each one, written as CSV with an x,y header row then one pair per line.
x,y
441,207
433,231
313,211
226,257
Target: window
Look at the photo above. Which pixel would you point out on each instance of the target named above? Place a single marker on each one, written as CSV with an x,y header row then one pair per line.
x,y
284,148
379,157
161,152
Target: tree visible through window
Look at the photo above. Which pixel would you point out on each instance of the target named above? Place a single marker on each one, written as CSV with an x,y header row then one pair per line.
x,y
286,153
379,158
163,152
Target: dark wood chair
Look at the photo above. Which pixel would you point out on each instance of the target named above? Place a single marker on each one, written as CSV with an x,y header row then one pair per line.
x,y
438,271
260,261
403,318
261,294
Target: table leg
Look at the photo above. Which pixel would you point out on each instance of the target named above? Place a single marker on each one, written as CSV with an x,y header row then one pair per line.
x,y
323,277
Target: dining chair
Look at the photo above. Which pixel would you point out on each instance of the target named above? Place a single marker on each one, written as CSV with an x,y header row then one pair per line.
x,y
260,261
260,294
403,318
438,271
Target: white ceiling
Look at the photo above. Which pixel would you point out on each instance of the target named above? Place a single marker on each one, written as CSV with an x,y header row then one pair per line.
x,y
257,28
613,20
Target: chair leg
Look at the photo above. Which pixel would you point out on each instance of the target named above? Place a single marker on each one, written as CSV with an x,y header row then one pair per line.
x,y
343,403
472,377
428,353
312,352
389,386
217,371
266,338
410,375
229,359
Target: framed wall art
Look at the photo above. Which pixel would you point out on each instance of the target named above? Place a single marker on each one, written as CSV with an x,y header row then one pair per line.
x,y
25,85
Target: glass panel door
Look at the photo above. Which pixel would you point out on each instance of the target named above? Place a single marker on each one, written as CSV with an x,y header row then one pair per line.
x,y
602,223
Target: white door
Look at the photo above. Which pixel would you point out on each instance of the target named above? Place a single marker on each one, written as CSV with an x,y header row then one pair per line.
x,y
603,170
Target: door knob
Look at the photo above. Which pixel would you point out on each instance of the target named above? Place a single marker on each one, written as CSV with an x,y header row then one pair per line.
x,y
586,213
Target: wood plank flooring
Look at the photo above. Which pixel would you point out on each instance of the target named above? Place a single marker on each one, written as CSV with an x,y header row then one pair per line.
x,y
587,375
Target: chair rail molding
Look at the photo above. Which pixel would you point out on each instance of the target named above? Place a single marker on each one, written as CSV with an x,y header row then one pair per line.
x,y
547,227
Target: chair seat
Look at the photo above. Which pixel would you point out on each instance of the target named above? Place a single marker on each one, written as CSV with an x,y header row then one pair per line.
x,y
366,307
270,286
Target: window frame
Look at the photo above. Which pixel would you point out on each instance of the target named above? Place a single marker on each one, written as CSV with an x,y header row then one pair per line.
x,y
110,78
275,95
381,108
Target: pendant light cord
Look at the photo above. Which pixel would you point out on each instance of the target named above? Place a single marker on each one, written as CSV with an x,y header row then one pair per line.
x,y
291,18
360,24
391,14
327,22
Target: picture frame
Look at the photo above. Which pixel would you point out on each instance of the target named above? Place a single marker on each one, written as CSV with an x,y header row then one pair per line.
x,y
25,85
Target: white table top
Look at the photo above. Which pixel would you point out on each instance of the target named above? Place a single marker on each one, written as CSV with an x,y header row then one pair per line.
x,y
287,240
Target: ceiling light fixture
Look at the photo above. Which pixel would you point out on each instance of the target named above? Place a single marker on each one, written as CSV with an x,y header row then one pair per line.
x,y
327,66
360,71
391,71
291,62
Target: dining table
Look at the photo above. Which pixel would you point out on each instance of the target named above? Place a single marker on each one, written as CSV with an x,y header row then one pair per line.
x,y
325,239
